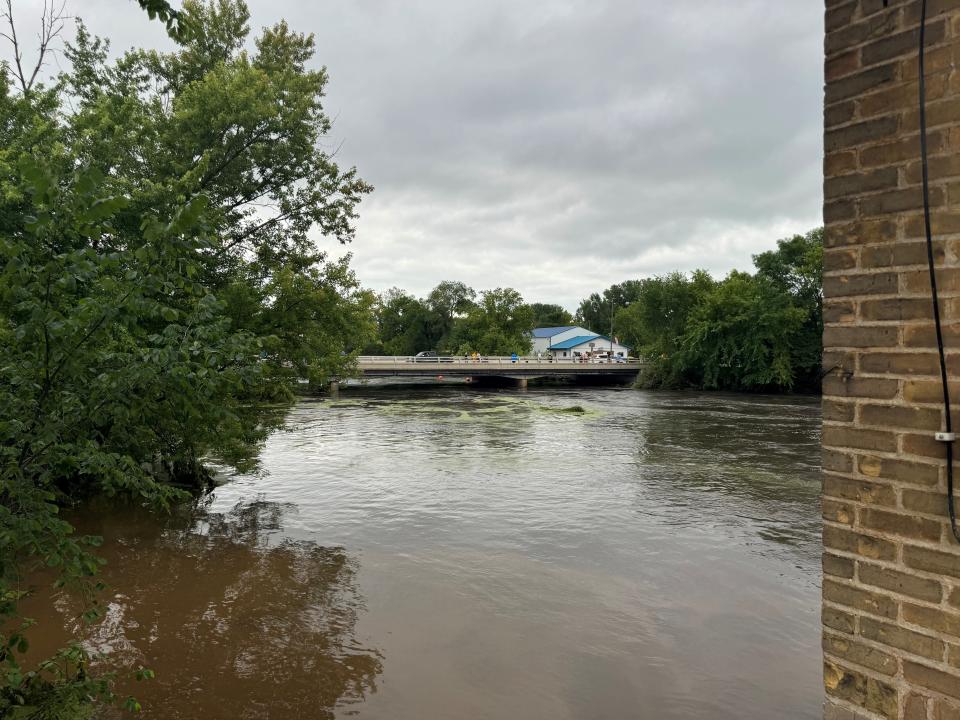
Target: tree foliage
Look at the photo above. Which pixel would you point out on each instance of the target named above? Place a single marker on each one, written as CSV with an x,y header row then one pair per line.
x,y
549,315
159,276
758,331
451,320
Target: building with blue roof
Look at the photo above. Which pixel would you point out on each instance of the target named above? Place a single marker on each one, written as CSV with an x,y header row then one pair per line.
x,y
573,342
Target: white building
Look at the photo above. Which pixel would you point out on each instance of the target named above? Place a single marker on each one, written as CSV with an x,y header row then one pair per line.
x,y
572,342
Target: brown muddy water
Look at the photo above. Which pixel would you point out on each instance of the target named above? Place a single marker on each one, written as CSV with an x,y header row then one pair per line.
x,y
421,553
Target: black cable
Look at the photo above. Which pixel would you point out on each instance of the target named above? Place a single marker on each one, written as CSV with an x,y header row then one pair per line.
x,y
948,440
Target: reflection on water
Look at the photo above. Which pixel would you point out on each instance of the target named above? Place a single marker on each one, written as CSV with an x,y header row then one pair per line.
x,y
452,553
236,621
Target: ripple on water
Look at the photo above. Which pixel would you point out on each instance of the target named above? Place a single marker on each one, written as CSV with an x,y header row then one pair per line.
x,y
452,552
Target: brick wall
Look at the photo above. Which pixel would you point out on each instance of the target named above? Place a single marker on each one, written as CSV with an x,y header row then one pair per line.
x,y
891,569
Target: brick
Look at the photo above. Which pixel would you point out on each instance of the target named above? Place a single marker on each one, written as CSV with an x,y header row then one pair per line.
x,y
859,490
876,388
945,222
858,653
838,512
837,17
900,416
858,183
882,283
840,162
857,233
903,639
899,582
927,391
860,689
860,336
840,114
934,8
932,561
897,151
859,133
838,211
907,526
940,168
905,471
839,312
854,85
902,97
934,619
893,46
838,619
840,436
918,281
844,540
837,566
928,503
937,680
844,259
944,710
899,254
840,65
838,411
861,32
924,336
923,445
832,711
954,598
910,363
941,112
915,707
836,461
897,201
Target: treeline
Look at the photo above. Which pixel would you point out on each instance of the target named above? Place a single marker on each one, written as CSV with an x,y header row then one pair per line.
x,y
454,319
756,331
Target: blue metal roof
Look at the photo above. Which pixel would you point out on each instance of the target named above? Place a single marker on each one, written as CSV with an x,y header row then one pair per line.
x,y
551,331
579,340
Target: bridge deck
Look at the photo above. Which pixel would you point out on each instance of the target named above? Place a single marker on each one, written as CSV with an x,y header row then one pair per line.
x,y
385,366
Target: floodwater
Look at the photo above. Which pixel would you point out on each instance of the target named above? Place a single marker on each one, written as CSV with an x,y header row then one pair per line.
x,y
434,553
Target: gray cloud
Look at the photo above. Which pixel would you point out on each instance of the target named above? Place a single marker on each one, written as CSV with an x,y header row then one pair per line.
x,y
559,146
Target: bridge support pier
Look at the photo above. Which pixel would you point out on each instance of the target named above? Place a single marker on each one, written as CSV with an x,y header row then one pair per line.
x,y
522,383
334,389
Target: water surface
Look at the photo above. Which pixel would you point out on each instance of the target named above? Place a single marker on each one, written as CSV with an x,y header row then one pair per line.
x,y
451,553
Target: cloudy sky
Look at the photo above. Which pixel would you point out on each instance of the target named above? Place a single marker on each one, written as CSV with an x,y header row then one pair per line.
x,y
558,146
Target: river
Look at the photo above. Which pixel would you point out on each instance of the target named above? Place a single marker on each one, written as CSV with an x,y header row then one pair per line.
x,y
444,552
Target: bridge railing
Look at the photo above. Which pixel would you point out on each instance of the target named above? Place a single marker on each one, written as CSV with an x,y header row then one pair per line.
x,y
448,360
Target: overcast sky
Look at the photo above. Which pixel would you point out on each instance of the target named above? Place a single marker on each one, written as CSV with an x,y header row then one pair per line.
x,y
558,146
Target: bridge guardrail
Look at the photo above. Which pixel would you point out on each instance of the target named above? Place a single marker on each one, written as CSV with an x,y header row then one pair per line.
x,y
448,360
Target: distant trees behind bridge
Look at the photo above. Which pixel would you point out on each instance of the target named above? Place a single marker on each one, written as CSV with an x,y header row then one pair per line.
x,y
747,331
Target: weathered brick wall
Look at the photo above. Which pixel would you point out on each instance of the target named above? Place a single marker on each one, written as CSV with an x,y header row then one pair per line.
x,y
891,585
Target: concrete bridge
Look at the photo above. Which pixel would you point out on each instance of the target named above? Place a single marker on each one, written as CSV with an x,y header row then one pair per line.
x,y
519,370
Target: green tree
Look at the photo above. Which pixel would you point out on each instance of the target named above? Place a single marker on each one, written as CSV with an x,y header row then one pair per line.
x,y
548,315
447,302
499,324
597,312
655,322
404,324
796,268
739,337
159,274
